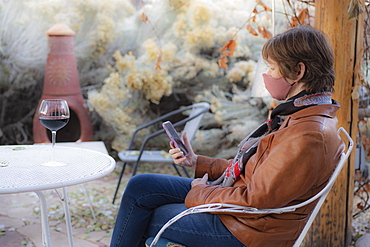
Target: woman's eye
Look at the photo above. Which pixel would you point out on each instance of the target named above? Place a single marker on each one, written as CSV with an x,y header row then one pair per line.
x,y
270,67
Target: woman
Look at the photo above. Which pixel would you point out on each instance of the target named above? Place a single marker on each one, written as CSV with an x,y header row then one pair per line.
x,y
285,161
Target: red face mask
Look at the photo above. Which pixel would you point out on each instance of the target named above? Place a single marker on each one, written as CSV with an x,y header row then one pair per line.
x,y
277,87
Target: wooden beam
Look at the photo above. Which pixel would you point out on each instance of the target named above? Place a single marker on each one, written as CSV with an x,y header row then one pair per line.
x,y
332,226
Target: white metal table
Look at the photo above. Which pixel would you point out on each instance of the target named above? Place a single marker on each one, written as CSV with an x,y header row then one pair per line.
x,y
22,169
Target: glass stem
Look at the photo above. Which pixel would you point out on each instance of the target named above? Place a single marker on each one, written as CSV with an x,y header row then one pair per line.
x,y
53,137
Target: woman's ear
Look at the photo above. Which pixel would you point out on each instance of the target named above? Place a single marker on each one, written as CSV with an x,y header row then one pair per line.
x,y
301,70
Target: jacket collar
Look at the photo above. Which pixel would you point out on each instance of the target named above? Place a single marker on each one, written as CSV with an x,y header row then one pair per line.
x,y
329,111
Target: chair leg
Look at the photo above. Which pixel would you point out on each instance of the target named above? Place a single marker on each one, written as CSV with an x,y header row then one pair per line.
x,y
186,171
177,169
135,168
119,182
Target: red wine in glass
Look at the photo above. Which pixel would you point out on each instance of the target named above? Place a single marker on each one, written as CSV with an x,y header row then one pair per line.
x,y
54,123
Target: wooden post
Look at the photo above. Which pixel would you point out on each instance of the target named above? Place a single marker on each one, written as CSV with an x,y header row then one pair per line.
x,y
332,226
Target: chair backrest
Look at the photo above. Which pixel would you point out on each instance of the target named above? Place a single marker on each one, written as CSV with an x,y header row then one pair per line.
x,y
193,125
231,208
325,191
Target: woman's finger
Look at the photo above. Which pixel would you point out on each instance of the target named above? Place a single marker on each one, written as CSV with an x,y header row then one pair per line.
x,y
205,178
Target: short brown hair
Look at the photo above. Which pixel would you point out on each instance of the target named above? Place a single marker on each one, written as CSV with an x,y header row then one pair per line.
x,y
307,45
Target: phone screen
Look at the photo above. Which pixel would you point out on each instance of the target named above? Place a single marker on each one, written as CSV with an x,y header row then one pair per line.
x,y
174,136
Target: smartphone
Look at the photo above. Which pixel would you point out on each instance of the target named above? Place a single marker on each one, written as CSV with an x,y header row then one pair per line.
x,y
174,136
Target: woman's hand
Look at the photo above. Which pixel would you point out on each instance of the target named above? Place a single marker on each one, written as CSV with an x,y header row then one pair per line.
x,y
197,181
190,160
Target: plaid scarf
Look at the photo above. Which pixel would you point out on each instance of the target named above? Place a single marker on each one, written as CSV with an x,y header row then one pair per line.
x,y
249,145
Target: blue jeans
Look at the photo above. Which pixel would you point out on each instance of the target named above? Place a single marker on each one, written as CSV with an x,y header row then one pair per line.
x,y
150,200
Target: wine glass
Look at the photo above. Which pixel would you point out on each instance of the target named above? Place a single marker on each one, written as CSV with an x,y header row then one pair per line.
x,y
54,115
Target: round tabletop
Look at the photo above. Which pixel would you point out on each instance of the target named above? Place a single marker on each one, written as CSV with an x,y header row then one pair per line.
x,y
24,168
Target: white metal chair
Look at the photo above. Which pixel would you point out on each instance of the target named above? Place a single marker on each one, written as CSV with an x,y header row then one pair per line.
x,y
230,208
191,122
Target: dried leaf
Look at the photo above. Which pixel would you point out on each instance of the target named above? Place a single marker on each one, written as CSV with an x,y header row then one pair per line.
x,y
157,67
359,206
230,45
158,63
294,23
251,30
367,187
303,15
228,51
255,11
222,63
265,33
144,18
265,7
226,54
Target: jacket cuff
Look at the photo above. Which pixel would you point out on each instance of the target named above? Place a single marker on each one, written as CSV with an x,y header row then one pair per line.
x,y
213,166
203,165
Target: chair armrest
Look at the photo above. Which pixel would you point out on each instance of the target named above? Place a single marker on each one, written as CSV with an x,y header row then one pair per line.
x,y
158,132
164,117
218,208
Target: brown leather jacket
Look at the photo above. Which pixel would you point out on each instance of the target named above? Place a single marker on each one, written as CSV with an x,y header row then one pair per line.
x,y
290,165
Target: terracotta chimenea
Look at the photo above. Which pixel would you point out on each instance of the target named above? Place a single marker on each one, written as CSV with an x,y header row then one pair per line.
x,y
61,82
